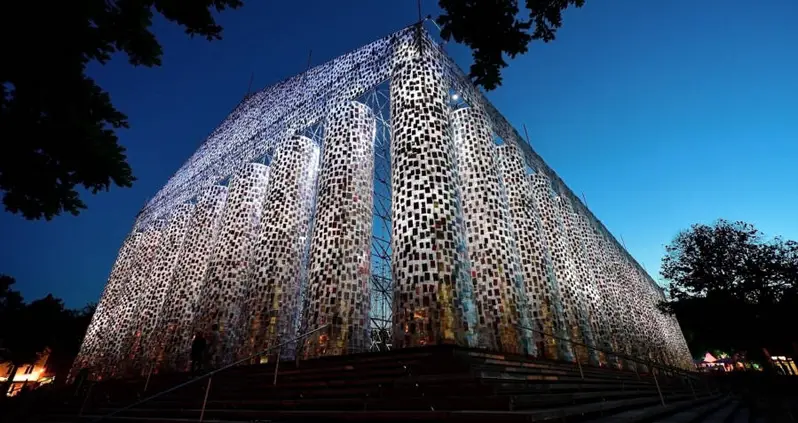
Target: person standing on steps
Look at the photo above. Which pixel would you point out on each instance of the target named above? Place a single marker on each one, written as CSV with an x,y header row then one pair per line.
x,y
197,353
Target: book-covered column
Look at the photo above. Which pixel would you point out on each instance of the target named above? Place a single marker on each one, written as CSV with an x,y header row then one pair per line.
x,y
228,271
181,306
272,303
432,287
501,303
338,292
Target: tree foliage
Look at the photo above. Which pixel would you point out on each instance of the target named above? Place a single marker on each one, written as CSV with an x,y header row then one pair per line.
x,y
732,288
29,328
494,29
57,126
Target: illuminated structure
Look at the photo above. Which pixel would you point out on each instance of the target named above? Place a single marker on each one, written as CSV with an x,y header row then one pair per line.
x,y
379,194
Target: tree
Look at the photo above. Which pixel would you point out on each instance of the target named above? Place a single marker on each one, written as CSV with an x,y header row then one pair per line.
x,y
732,288
40,324
495,28
58,127
10,299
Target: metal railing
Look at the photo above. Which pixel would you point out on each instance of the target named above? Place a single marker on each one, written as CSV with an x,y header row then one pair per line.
x,y
651,365
209,377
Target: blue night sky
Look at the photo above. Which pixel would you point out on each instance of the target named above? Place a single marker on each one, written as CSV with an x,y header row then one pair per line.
x,y
663,113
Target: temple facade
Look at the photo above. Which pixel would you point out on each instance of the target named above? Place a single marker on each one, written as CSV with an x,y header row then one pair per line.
x,y
284,222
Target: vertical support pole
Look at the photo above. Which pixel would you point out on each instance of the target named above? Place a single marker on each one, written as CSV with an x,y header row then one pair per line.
x,y
149,374
690,381
85,400
205,401
659,391
276,367
578,363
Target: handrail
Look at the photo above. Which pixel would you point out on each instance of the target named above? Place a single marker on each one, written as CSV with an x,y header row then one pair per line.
x,y
617,354
210,374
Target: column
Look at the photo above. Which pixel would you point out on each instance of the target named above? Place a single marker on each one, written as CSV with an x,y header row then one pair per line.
x,y
160,282
433,293
127,337
540,284
582,280
501,304
273,295
602,306
181,307
555,240
225,282
340,252
95,347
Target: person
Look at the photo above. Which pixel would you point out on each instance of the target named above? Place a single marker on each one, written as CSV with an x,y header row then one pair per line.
x,y
197,352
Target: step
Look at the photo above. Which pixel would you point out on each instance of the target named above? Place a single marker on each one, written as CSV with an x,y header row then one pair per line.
x,y
655,412
295,416
469,415
498,360
742,415
723,414
530,401
495,375
589,373
697,414
503,386
571,413
400,402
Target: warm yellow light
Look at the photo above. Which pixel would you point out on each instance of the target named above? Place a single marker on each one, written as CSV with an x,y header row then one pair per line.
x,y
32,377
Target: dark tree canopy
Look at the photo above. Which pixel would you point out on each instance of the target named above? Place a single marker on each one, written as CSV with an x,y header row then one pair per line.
x,y
495,28
57,126
732,288
28,328
730,259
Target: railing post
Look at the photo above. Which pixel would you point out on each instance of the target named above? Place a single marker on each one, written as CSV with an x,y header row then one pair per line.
x,y
85,400
578,363
276,366
690,381
149,374
205,401
659,391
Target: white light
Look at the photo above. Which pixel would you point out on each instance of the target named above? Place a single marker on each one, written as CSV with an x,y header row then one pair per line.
x,y
455,96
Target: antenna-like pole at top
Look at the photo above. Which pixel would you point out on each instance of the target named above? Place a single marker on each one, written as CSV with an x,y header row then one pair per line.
x,y
526,134
249,87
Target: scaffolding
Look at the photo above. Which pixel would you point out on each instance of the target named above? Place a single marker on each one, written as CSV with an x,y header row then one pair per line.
x,y
381,280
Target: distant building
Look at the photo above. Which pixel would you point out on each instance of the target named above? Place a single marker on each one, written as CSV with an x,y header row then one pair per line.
x,y
28,375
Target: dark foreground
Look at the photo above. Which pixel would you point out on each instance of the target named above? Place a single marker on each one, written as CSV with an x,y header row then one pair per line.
x,y
440,383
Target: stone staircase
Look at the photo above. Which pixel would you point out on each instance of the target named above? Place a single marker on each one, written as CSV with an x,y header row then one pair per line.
x,y
440,383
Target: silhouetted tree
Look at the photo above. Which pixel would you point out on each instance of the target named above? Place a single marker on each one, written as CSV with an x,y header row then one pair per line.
x,y
27,329
10,300
731,288
56,124
494,29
